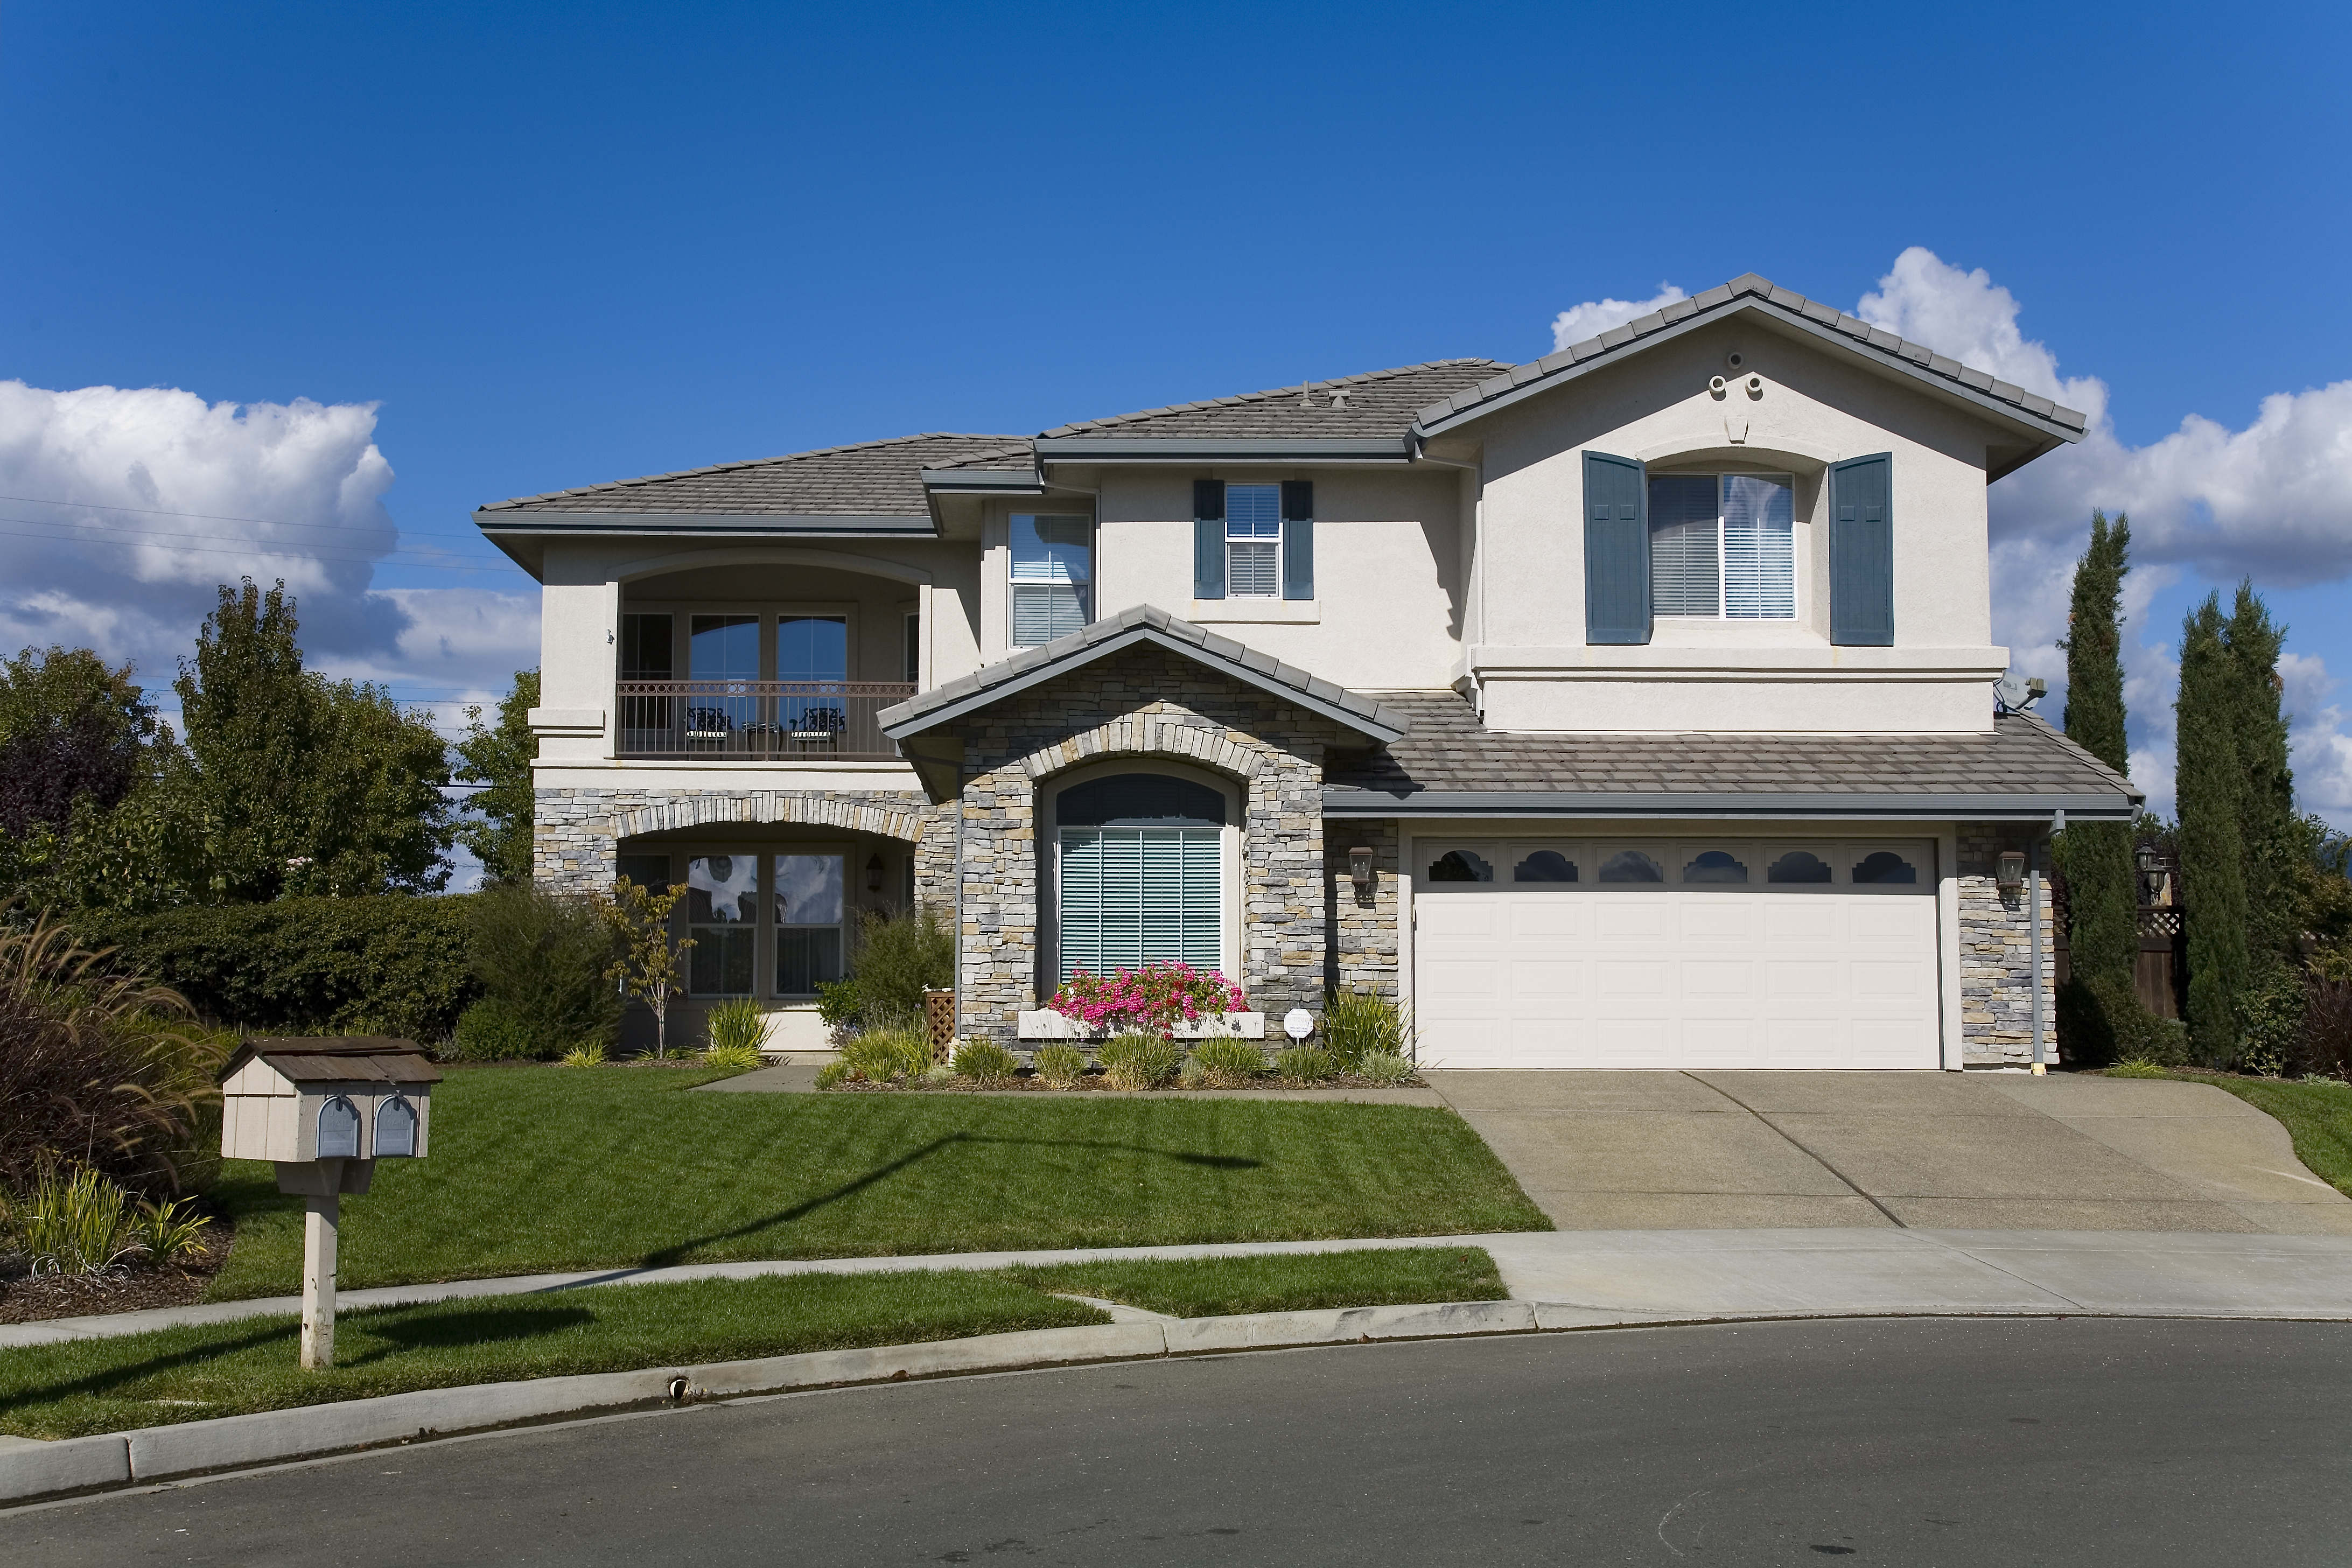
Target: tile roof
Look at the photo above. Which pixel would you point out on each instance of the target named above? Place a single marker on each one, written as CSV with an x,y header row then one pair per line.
x,y
1727,296
1448,750
343,1059
1380,402
1140,624
882,478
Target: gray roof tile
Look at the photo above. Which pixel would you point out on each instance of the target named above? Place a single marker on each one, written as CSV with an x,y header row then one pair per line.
x,y
1382,402
880,478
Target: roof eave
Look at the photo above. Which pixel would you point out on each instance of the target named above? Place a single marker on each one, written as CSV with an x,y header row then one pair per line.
x,y
1884,806
983,483
714,524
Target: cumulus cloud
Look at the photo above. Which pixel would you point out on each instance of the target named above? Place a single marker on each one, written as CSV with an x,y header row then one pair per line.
x,y
123,510
1595,317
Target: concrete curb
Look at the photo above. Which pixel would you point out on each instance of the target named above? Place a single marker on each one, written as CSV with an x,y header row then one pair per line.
x,y
31,1471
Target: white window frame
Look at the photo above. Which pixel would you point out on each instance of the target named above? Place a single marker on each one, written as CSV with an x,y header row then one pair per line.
x,y
1276,540
1722,558
1230,860
1013,584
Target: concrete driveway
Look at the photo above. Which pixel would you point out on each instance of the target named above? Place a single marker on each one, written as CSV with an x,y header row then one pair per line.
x,y
1714,1151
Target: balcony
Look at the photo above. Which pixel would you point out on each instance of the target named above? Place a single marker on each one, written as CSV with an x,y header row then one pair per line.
x,y
756,720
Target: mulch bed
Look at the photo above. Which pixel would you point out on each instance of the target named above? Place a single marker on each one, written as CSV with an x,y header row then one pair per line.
x,y
126,1288
1095,1083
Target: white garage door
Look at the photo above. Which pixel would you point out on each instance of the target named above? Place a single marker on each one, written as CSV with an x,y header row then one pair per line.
x,y
1698,953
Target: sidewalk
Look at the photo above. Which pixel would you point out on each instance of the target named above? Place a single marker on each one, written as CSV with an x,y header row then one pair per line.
x,y
1624,1276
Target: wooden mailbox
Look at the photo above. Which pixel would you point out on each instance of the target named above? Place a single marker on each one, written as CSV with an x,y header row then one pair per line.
x,y
324,1111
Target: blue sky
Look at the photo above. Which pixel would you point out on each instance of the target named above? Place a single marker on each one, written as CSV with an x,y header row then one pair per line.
x,y
513,248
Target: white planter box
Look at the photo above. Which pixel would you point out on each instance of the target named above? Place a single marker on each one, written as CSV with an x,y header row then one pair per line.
x,y
1049,1025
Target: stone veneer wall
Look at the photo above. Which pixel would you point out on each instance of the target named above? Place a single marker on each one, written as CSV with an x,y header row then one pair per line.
x,y
1143,703
1996,957
1363,929
576,831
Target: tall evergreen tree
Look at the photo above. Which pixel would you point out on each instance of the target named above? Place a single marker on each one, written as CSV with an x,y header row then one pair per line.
x,y
499,757
2273,838
2210,791
2101,884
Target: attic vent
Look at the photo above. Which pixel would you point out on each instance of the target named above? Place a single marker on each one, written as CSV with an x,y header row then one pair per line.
x,y
1307,394
1340,398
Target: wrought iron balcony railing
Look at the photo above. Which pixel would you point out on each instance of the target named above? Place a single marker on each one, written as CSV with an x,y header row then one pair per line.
x,y
752,720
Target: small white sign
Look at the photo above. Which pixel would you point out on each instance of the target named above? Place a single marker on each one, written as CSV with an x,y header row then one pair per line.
x,y
1297,1023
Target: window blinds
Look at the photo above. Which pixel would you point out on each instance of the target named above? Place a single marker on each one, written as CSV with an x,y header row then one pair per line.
x,y
1760,558
1133,895
1683,556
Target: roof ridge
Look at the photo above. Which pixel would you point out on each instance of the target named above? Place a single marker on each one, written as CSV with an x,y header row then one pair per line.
x,y
1286,390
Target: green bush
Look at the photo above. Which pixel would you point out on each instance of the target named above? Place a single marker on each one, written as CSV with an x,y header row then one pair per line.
x,y
1140,1061
1229,1064
1059,1066
881,1055
547,957
738,1026
897,958
1191,1075
390,964
77,1224
1385,1068
2269,1023
734,1058
2138,1067
1357,1023
590,1056
492,1031
831,1075
1305,1063
985,1062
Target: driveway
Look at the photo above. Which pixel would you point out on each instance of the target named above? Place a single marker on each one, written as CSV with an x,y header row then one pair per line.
x,y
1717,1150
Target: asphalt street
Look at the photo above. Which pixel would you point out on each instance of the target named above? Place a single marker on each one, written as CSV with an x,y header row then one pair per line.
x,y
1941,1442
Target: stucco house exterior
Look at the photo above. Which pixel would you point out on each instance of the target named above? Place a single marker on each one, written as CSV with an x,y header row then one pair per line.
x,y
1630,708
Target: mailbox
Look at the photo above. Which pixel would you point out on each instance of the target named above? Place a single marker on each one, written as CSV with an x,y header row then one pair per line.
x,y
303,1102
324,1111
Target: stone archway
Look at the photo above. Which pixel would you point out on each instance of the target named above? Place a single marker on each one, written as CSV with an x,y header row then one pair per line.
x,y
887,818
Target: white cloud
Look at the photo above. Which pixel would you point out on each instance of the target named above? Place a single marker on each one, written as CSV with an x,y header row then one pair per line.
x,y
123,510
1595,317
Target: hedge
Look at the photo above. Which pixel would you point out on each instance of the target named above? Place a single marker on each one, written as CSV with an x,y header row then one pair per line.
x,y
390,963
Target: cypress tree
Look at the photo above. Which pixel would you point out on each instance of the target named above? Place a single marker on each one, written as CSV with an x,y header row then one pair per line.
x,y
2210,791
2267,825
2102,885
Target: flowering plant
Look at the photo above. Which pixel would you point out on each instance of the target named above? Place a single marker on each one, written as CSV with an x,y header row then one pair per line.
x,y
1151,1000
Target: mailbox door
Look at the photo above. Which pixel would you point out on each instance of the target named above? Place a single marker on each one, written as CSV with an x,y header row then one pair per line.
x,y
339,1128
395,1128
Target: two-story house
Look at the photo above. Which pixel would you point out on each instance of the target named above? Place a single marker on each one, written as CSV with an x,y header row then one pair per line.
x,y
1630,708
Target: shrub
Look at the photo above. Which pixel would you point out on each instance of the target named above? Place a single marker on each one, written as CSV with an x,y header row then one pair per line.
x,y
2325,1049
897,958
2138,1067
1191,1075
390,963
98,1067
985,1062
492,1031
76,1224
831,1075
165,1235
938,1075
1357,1023
2269,1023
734,1058
1152,999
546,956
1140,1061
1305,1064
881,1055
1229,1064
738,1026
1059,1066
588,1055
1385,1068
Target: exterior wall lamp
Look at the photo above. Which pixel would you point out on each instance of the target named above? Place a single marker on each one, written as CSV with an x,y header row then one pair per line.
x,y
1360,870
873,874
2009,870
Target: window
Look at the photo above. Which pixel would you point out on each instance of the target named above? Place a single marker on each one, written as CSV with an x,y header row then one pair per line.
x,y
1883,868
647,653
1254,541
1545,866
1630,866
1799,866
1714,865
1141,873
1723,546
914,648
808,916
722,915
650,872
1461,866
1053,576
722,656
811,651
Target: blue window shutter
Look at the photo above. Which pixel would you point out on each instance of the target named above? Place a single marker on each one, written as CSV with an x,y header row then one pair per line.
x,y
1298,539
1208,538
1616,551
1861,552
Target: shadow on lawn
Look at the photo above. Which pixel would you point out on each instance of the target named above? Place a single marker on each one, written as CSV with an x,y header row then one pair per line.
x,y
678,1253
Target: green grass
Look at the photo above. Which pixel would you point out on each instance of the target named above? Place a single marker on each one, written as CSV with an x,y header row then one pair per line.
x,y
540,1170
1215,1287
2316,1114
227,1369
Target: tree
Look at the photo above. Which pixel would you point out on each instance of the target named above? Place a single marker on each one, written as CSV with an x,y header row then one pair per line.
x,y
2210,789
500,757
2273,836
650,965
376,819
2101,879
70,728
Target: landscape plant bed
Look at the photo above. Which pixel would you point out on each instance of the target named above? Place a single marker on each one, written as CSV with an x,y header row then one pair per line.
x,y
1100,1083
126,1287
544,1171
197,1372
2316,1112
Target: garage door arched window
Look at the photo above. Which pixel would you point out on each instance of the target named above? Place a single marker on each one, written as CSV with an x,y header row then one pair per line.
x,y
1141,873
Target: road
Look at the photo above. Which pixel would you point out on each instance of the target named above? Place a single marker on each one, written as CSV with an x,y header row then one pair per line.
x,y
1939,1442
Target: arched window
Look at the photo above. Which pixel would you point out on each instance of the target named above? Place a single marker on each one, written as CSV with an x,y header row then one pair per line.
x,y
1714,865
1799,866
1884,869
1630,866
1141,872
339,1130
396,1129
1545,866
1460,866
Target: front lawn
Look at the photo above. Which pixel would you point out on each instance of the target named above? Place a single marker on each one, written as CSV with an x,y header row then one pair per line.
x,y
2317,1113
539,1171
83,1387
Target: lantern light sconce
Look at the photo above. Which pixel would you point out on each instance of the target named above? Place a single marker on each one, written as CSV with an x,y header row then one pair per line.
x,y
873,874
1359,869
2010,870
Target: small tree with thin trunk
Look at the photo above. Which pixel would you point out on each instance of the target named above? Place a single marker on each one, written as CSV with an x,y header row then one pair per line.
x,y
651,962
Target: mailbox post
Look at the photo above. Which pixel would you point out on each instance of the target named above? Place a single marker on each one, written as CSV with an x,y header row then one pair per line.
x,y
324,1111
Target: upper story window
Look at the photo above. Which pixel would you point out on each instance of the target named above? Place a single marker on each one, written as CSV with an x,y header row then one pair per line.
x,y
1723,546
1252,542
1053,576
